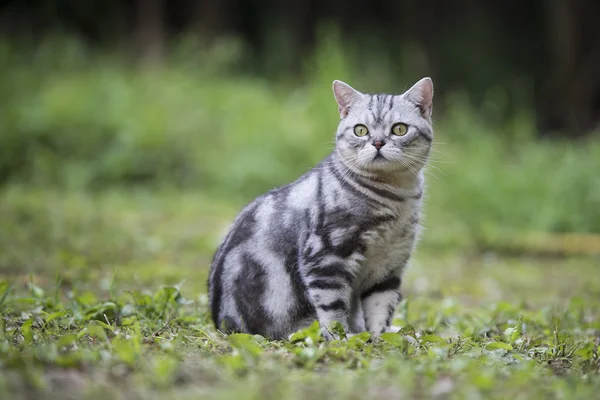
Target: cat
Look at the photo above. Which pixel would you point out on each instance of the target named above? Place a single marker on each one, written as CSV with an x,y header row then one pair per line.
x,y
332,246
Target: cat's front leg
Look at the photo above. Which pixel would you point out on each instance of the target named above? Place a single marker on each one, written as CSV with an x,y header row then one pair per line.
x,y
379,303
330,291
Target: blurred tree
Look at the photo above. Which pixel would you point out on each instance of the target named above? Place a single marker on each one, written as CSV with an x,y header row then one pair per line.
x,y
571,97
210,18
548,49
150,31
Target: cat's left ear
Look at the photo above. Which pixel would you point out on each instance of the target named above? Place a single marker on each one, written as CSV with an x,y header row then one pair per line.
x,y
422,95
346,96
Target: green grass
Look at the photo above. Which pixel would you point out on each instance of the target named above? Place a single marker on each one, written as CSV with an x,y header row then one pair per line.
x,y
104,296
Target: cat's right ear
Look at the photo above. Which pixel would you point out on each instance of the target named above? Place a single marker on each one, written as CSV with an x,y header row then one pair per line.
x,y
345,96
421,94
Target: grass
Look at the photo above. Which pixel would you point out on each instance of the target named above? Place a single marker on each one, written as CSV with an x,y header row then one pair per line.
x,y
103,295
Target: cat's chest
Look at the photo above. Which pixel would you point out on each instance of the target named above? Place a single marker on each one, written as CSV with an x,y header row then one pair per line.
x,y
388,247
383,241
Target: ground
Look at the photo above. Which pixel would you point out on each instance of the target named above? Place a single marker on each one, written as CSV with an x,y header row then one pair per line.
x,y
103,295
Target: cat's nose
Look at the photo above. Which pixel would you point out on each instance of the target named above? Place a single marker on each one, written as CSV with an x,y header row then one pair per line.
x,y
378,143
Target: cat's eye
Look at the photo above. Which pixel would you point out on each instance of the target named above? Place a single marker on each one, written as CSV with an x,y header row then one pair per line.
x,y
399,129
360,130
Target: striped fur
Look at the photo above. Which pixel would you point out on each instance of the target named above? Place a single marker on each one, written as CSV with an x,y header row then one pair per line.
x,y
331,246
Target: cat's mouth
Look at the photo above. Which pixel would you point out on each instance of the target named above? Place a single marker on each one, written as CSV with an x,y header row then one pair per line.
x,y
379,157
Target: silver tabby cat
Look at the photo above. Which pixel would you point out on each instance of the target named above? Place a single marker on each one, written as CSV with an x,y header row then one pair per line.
x,y
332,246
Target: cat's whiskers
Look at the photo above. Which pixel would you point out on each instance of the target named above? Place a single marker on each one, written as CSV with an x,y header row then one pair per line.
x,y
410,167
396,155
437,151
426,164
426,159
429,157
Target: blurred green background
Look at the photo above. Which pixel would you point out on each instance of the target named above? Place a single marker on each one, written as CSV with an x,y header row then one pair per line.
x,y
133,131
176,109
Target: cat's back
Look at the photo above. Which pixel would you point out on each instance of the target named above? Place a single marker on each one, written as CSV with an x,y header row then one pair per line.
x,y
280,208
252,271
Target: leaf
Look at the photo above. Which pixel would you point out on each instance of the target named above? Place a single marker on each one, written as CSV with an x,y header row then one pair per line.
x,y
337,328
311,333
245,342
165,296
137,338
127,310
394,339
512,334
127,321
498,345
298,336
55,315
87,298
432,339
26,331
104,325
96,330
5,289
107,310
67,340
359,339
35,290
509,333
586,351
408,330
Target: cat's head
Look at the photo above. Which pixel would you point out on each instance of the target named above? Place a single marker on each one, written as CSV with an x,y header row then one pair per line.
x,y
383,132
